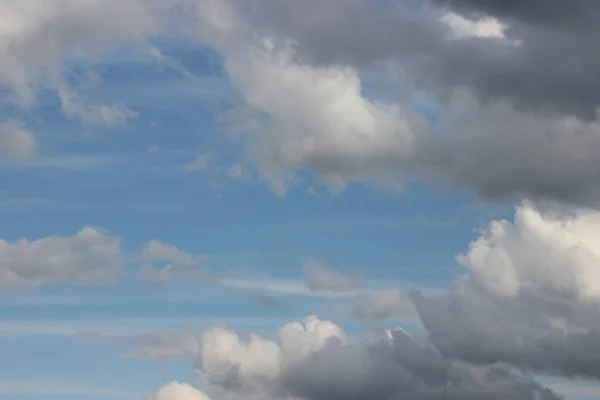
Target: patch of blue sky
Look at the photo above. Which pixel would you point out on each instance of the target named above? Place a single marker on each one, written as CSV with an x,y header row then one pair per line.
x,y
74,367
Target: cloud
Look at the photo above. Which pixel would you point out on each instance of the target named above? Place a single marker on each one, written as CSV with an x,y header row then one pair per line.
x,y
321,278
41,387
463,27
504,118
531,298
363,33
157,346
228,362
279,287
93,114
178,391
16,141
90,257
37,38
180,266
313,360
513,119
547,252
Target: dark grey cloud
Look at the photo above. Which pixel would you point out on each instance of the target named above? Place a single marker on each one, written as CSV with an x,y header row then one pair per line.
x,y
566,15
554,67
400,368
502,154
539,333
527,129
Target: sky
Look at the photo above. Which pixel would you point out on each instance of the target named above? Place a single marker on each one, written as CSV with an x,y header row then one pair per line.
x,y
299,199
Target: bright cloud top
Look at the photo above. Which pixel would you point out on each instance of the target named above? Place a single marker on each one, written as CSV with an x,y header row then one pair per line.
x,y
542,251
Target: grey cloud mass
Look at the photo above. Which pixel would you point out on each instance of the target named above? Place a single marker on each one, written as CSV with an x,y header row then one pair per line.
x,y
551,67
532,297
312,360
401,369
518,100
551,336
518,108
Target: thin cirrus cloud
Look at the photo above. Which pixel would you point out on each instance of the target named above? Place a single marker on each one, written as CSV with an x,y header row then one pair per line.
x,y
320,278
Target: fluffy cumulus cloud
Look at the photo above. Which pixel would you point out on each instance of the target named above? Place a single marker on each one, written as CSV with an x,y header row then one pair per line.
x,y
531,298
313,360
90,257
539,251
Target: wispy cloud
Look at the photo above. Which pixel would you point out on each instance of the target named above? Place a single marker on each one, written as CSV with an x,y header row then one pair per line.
x,y
279,286
57,388
126,326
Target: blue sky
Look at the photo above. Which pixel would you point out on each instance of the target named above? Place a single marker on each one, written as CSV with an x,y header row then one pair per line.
x,y
143,152
132,182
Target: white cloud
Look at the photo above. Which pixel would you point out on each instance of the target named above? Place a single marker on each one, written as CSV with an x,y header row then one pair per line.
x,y
321,278
318,119
91,257
543,251
179,391
38,35
74,106
462,27
317,115
16,141
180,265
227,361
